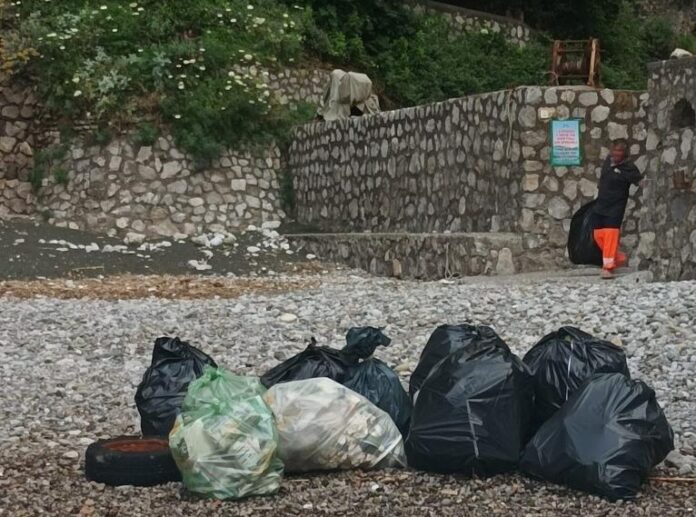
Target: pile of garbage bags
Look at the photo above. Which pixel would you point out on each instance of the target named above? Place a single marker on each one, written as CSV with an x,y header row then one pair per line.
x,y
353,367
568,413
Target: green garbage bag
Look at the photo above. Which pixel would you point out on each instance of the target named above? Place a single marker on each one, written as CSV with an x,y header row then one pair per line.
x,y
225,441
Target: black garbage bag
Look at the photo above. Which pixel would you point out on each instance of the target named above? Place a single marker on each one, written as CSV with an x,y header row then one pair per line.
x,y
314,361
352,367
361,342
373,379
320,361
445,340
582,248
562,361
604,440
174,365
381,385
472,414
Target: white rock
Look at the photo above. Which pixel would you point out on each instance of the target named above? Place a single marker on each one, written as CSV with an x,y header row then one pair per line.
x,y
271,225
134,238
217,240
199,265
201,240
287,318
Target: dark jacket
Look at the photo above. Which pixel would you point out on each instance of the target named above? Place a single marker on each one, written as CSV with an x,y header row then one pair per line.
x,y
614,187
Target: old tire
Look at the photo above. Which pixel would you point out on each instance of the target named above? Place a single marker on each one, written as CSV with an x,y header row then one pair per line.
x,y
131,460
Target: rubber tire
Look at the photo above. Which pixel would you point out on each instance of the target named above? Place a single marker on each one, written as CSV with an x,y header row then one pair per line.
x,y
116,468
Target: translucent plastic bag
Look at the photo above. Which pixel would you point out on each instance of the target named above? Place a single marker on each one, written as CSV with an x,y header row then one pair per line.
x,y
325,426
224,441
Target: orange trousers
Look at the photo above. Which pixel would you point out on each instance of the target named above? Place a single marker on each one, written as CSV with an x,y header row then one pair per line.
x,y
608,241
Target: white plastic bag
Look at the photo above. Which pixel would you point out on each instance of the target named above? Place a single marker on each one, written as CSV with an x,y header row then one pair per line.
x,y
323,425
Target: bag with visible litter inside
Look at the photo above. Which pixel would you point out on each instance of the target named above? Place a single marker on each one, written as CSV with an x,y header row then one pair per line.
x,y
472,414
604,440
174,365
445,340
353,367
562,361
325,426
225,441
378,383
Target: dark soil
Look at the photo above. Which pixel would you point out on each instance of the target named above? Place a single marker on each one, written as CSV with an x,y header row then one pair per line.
x,y
23,257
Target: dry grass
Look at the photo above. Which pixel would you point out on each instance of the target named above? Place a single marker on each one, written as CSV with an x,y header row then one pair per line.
x,y
129,287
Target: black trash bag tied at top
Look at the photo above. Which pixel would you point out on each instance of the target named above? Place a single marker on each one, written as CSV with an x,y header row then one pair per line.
x,y
604,440
562,361
314,361
472,414
352,367
582,248
447,339
175,364
374,380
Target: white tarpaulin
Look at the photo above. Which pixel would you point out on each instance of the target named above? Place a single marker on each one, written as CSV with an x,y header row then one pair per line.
x,y
347,90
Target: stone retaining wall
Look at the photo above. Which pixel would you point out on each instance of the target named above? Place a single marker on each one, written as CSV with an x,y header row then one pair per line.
x,y
430,168
151,191
468,20
475,164
421,256
668,220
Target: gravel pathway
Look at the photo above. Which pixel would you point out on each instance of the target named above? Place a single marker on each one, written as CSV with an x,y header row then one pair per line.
x,y
69,369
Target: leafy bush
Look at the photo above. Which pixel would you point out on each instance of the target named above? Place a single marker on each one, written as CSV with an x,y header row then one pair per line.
x,y
195,64
145,134
432,64
418,58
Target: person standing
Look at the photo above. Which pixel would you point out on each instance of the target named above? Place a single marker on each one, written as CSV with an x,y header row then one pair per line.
x,y
618,174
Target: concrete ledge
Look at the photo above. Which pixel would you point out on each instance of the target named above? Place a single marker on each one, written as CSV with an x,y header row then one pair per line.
x,y
428,256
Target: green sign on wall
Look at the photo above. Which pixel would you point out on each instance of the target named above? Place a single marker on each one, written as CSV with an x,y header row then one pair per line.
x,y
565,143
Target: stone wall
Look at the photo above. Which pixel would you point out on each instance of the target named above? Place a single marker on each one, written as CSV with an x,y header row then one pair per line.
x,y
430,168
668,220
151,191
476,164
467,20
550,195
298,85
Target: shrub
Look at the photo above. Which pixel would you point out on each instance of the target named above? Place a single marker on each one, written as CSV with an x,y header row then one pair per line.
x,y
145,134
195,64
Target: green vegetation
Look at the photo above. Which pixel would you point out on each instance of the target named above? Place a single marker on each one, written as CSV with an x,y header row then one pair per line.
x,y
46,161
194,66
198,67
629,40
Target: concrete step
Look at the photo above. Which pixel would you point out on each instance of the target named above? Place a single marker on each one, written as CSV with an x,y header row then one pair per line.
x,y
429,256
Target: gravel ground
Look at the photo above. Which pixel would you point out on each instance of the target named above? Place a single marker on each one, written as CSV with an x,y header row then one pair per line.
x,y
70,369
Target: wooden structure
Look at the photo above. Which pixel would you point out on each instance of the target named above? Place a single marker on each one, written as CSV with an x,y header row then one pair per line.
x,y
575,62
